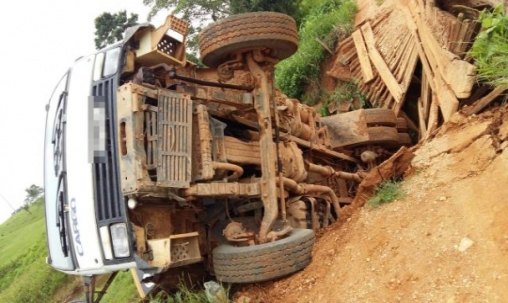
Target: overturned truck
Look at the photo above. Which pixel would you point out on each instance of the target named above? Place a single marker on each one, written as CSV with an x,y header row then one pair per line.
x,y
160,165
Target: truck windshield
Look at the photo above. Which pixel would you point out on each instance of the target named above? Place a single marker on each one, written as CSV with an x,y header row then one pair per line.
x,y
55,179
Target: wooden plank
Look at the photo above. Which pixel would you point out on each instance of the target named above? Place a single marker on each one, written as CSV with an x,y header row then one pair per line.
x,y
425,96
473,26
448,102
461,36
379,90
357,73
410,66
387,100
433,116
378,61
421,119
401,54
345,51
340,71
458,74
483,102
408,73
363,56
453,45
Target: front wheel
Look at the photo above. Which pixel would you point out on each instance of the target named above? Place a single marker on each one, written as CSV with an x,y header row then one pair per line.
x,y
248,264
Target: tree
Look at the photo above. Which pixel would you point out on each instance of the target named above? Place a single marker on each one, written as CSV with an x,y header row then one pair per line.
x,y
287,7
199,9
32,193
109,28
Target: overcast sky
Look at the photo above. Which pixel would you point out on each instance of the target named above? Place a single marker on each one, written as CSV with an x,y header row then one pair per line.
x,y
40,39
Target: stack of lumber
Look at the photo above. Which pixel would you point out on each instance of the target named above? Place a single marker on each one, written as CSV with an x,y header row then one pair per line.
x,y
410,51
454,33
380,56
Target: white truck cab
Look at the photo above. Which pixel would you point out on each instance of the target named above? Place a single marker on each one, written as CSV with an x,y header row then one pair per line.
x,y
87,230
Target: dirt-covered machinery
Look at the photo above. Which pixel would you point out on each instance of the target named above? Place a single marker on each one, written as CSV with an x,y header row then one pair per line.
x,y
219,169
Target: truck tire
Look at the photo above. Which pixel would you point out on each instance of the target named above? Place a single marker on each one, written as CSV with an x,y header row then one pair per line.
x,y
380,117
266,261
402,125
271,30
405,139
382,135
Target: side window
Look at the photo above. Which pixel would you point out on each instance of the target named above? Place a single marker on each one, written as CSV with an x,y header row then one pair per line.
x,y
97,67
112,59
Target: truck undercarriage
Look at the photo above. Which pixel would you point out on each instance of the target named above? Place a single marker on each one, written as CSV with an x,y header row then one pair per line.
x,y
218,166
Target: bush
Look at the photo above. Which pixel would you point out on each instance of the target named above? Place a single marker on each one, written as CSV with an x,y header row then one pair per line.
x,y
386,192
328,21
344,92
490,48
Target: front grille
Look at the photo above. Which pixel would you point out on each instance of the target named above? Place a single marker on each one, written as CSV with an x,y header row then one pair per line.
x,y
109,202
174,129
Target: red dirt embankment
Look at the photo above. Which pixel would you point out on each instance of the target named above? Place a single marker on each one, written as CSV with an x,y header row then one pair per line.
x,y
445,241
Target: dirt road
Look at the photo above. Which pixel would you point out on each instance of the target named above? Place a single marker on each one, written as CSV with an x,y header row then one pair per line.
x,y
445,241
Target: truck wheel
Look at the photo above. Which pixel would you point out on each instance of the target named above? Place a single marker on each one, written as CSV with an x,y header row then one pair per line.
x,y
380,117
382,135
402,125
405,139
274,31
266,261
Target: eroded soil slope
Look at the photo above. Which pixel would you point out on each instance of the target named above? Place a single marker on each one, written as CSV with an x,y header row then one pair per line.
x,y
445,241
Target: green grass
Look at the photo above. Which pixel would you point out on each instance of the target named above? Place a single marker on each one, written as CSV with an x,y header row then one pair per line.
x,y
121,290
24,274
386,192
327,20
20,232
192,294
490,48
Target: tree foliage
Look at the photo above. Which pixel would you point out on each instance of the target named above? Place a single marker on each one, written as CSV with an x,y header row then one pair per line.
x,y
109,28
32,193
200,9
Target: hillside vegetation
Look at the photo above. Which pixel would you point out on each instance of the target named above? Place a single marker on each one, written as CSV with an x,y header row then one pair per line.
x,y
24,274
325,22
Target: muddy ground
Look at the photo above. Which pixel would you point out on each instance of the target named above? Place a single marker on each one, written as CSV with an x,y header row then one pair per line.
x,y
446,240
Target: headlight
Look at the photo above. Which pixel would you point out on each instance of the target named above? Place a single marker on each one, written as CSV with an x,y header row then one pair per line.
x,y
120,240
